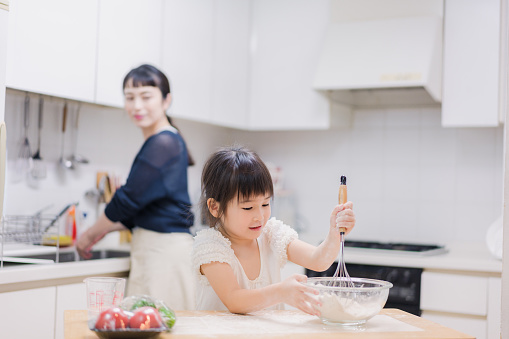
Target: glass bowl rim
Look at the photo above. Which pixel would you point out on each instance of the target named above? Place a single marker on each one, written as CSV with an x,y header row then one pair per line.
x,y
382,284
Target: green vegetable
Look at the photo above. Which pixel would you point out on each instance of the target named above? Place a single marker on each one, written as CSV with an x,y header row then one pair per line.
x,y
142,303
168,316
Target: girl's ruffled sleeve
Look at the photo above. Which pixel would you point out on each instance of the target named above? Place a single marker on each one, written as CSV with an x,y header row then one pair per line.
x,y
210,246
279,237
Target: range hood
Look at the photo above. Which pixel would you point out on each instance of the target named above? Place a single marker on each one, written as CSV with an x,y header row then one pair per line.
x,y
390,62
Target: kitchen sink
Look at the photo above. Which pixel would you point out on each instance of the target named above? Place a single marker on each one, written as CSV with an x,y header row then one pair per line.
x,y
67,256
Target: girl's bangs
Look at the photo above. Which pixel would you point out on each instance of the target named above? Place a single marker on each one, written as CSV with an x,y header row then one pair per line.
x,y
255,182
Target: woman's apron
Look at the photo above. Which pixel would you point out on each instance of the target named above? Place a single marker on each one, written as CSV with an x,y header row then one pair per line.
x,y
161,268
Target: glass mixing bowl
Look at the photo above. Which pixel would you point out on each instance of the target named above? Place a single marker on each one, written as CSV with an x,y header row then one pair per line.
x,y
352,305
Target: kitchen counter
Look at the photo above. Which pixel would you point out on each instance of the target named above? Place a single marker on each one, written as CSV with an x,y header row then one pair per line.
x,y
460,257
389,324
21,277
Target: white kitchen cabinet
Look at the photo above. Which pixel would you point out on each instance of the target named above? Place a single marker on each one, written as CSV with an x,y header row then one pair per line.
x,y
52,47
471,64
130,34
230,63
465,302
187,56
68,297
34,305
246,64
286,41
4,16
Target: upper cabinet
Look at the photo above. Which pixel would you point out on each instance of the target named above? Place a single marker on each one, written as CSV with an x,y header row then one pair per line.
x,y
130,34
52,47
246,64
472,68
286,40
187,56
3,58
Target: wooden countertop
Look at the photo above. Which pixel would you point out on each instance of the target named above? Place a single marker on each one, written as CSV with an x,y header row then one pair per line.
x,y
389,324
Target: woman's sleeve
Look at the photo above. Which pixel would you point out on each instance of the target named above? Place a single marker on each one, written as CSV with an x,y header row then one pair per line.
x,y
210,246
279,237
144,183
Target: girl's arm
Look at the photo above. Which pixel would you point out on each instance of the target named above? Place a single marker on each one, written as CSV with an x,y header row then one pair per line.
x,y
239,300
320,258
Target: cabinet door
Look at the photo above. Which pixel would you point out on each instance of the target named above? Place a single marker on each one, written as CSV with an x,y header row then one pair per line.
x,y
230,63
69,297
475,327
287,40
52,47
129,35
36,306
471,63
3,56
187,56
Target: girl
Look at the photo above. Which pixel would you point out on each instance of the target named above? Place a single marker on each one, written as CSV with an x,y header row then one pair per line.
x,y
238,259
154,202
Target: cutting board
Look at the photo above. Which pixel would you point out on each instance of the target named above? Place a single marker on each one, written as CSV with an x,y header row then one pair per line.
x,y
389,324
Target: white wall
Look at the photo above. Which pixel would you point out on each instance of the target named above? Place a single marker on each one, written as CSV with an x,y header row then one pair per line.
x,y
106,137
409,178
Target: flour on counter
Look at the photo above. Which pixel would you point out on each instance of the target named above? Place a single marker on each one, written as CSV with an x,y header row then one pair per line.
x,y
275,322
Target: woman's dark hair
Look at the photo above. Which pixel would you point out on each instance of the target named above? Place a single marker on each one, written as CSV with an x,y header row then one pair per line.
x,y
148,75
231,173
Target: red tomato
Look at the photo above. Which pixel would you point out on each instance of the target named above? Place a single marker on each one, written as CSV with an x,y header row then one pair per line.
x,y
111,319
145,318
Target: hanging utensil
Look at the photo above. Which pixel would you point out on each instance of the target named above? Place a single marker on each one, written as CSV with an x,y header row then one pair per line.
x,y
76,158
64,162
38,167
24,161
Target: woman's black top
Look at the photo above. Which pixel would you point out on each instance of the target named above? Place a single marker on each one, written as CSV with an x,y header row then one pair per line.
x,y
155,195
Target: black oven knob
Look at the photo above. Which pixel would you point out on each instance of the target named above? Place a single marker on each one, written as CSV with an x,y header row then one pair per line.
x,y
405,280
392,276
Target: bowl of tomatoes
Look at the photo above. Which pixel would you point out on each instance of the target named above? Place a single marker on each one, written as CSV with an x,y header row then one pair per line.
x,y
137,317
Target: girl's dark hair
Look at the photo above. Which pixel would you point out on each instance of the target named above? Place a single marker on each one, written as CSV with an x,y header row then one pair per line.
x,y
148,75
231,173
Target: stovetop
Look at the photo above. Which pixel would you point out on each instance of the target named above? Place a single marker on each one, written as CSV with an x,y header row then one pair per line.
x,y
390,247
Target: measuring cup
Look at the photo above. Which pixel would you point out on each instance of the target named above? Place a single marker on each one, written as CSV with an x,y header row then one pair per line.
x,y
103,293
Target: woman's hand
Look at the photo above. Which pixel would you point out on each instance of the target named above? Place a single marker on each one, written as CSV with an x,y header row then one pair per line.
x,y
85,242
299,295
342,216
90,237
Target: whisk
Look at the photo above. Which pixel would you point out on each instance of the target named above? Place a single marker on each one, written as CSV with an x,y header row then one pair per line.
x,y
341,277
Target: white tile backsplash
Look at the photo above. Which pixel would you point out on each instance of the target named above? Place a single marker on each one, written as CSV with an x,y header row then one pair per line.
x,y
409,178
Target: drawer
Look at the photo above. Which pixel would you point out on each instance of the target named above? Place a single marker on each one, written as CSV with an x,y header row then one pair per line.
x,y
467,324
454,293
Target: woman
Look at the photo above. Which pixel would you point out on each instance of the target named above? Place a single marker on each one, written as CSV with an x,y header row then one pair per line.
x,y
154,202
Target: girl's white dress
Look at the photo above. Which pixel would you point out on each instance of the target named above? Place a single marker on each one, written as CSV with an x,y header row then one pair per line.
x,y
211,246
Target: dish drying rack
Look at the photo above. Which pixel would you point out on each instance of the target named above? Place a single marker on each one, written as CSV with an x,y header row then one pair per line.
x,y
18,231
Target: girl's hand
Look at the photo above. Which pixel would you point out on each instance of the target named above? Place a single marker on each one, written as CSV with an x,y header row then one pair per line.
x,y
299,295
342,217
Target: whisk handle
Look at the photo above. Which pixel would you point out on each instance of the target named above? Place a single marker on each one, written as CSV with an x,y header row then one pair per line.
x,y
342,197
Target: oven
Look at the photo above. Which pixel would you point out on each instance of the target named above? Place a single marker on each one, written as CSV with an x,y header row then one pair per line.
x,y
406,291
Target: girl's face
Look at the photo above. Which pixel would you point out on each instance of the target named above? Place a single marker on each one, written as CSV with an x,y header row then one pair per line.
x,y
146,106
245,218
